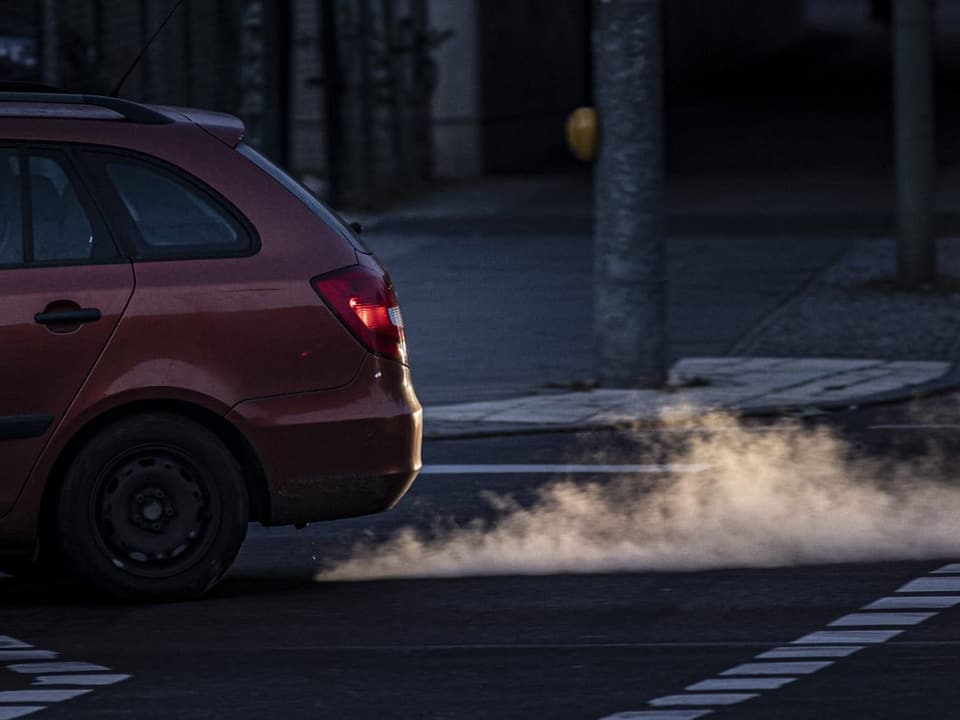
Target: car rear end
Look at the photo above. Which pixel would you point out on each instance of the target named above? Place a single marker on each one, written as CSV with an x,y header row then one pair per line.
x,y
354,449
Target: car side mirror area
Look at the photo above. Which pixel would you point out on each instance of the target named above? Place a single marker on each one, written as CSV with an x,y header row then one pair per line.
x,y
356,227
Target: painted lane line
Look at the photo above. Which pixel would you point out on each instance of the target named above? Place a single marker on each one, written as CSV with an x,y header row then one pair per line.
x,y
61,667
788,652
9,643
951,569
48,696
91,679
702,699
854,637
778,668
659,715
821,643
8,655
741,683
882,619
561,469
18,711
904,602
932,584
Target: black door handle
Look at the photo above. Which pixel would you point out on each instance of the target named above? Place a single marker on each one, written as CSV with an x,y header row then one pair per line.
x,y
68,317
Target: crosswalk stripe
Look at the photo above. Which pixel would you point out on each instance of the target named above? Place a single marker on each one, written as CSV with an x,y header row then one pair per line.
x,y
88,679
19,711
39,696
10,655
58,667
914,602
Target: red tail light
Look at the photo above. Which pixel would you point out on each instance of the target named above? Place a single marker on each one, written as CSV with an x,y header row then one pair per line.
x,y
365,301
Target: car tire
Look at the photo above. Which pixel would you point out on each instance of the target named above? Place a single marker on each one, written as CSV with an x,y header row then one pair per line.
x,y
152,507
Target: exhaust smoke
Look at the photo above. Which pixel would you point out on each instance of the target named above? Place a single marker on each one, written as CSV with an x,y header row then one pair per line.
x,y
791,496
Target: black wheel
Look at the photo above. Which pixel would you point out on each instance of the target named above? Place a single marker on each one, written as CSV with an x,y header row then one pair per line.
x,y
154,506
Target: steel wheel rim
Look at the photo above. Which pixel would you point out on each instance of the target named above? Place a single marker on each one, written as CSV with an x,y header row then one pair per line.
x,y
155,514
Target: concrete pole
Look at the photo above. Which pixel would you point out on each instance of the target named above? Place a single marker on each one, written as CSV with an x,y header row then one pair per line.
x,y
913,30
629,254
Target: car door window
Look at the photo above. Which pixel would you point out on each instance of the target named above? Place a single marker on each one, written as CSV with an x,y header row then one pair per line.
x,y
11,209
62,232
43,220
173,218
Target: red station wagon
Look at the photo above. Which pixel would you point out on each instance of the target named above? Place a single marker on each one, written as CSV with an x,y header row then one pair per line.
x,y
189,341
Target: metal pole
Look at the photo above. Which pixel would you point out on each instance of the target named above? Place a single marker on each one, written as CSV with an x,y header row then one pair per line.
x,y
629,254
914,127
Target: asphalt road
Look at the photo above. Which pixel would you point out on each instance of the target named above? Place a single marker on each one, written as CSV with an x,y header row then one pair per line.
x,y
273,642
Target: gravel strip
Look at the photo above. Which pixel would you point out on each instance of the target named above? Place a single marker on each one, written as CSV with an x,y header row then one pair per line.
x,y
840,315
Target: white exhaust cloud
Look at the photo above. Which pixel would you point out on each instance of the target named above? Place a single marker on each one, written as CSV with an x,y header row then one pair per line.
x,y
795,496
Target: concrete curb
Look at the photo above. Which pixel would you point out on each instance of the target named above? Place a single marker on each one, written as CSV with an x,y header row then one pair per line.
x,y
447,430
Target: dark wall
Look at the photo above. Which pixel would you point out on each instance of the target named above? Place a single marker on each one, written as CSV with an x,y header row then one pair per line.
x,y
534,70
192,61
535,63
707,35
18,47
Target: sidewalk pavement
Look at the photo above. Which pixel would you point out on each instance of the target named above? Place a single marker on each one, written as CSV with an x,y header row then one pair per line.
x,y
495,282
699,386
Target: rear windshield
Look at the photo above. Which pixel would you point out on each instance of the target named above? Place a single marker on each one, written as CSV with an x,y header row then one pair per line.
x,y
329,216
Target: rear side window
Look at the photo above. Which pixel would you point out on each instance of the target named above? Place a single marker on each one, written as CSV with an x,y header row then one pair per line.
x,y
172,217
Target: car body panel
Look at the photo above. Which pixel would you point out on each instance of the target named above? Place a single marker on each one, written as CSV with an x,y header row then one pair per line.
x,y
219,328
52,364
341,453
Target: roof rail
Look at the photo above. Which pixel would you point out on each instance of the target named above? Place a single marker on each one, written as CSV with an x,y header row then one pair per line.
x,y
129,110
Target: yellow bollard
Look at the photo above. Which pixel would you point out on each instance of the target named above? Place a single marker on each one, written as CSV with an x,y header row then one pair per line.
x,y
582,133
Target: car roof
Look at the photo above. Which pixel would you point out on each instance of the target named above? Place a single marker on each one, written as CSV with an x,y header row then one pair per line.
x,y
82,109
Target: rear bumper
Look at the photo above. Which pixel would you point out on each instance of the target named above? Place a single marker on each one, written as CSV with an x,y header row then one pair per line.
x,y
337,453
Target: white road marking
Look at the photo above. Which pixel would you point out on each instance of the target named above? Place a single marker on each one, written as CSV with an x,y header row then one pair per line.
x,y
18,711
741,683
788,652
903,602
28,696
659,715
881,619
8,655
61,667
778,668
89,679
836,637
702,699
50,676
561,469
822,643
932,584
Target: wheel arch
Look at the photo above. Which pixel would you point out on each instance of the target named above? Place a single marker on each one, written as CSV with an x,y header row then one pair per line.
x,y
253,473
